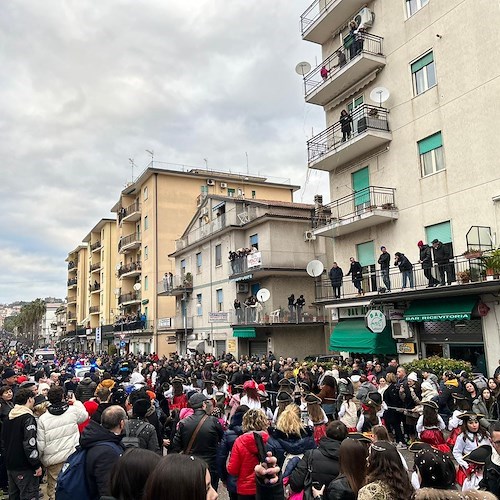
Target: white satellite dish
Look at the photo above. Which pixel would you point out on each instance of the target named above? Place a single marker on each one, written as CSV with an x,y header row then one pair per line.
x,y
379,95
302,68
315,268
263,295
137,287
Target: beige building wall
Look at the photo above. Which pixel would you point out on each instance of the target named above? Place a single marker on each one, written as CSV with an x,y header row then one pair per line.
x,y
82,290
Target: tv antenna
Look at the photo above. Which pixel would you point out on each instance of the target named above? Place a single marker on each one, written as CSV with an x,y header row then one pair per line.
x,y
206,163
132,164
380,95
152,153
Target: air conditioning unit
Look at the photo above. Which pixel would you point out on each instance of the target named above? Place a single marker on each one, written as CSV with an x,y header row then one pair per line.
x,y
309,236
210,182
364,17
223,185
242,287
402,329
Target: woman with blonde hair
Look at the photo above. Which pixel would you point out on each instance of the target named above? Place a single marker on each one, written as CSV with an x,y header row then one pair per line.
x,y
244,455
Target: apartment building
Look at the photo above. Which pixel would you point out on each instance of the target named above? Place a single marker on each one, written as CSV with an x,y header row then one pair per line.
x,y
77,292
415,160
206,283
49,327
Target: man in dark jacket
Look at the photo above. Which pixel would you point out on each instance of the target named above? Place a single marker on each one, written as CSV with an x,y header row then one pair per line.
x,y
138,426
446,399
356,272
208,437
426,261
85,389
405,267
324,461
21,455
442,258
103,395
336,274
491,473
385,261
103,445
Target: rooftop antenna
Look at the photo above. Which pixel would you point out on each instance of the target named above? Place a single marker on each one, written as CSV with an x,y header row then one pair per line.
x,y
132,164
246,154
152,153
206,163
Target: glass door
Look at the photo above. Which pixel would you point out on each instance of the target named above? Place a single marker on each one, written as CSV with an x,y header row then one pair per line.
x,y
357,115
361,186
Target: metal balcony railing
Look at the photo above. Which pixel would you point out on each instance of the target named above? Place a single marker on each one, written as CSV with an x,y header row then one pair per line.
x,y
313,12
281,315
127,240
127,325
357,203
129,297
71,265
95,266
72,281
93,309
95,287
95,245
363,43
128,268
171,284
364,118
125,212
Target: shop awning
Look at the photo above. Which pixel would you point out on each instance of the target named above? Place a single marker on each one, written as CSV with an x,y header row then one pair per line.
x,y
353,336
449,309
244,333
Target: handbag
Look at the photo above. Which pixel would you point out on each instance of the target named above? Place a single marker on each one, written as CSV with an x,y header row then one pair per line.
x,y
187,451
307,493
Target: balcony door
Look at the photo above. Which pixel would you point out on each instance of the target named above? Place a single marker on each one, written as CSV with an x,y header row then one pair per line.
x,y
366,257
361,186
356,114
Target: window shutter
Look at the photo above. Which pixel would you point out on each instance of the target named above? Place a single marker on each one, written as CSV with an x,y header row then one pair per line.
x,y
429,143
441,232
423,61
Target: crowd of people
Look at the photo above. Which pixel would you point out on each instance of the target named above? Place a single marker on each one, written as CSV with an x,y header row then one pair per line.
x,y
130,322
237,258
140,427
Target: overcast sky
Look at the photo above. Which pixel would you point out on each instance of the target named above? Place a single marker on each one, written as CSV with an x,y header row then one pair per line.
x,y
88,84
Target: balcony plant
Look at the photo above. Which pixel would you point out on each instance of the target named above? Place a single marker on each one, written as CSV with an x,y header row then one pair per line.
x,y
464,276
491,263
188,279
472,253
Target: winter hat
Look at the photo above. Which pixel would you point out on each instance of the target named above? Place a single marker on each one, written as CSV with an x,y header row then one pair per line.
x,y
141,407
196,400
413,376
43,387
91,407
21,379
9,372
185,412
436,469
40,399
420,243
250,384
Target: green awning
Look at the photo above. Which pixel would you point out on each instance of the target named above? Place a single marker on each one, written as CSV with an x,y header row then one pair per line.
x,y
244,333
450,309
353,336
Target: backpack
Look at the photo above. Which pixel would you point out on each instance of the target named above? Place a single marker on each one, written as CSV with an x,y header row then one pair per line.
x,y
72,480
290,463
132,441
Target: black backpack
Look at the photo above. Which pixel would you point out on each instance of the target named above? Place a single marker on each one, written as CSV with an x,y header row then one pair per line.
x,y
131,439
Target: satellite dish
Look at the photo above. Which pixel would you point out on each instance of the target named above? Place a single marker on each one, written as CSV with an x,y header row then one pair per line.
x,y
315,268
263,295
137,287
117,267
379,95
302,68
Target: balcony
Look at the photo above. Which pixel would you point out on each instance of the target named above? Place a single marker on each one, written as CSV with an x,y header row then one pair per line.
x,y
324,17
71,317
94,310
72,266
278,317
130,270
71,300
332,149
360,210
95,267
130,214
180,323
129,243
132,325
127,299
96,287
96,246
72,282
345,67
175,285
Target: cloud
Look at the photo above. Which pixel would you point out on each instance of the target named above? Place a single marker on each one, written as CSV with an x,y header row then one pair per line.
x,y
87,85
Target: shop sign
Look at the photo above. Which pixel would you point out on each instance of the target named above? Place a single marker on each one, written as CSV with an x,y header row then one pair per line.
x,y
375,321
231,345
353,312
98,337
406,348
482,309
164,322
254,260
335,314
438,317
218,317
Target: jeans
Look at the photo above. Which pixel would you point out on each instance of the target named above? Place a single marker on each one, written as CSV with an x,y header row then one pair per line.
x,y
408,275
386,279
291,309
336,291
357,284
444,269
299,314
428,274
23,485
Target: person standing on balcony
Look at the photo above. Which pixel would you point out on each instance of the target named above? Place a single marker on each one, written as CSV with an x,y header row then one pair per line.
x,y
385,261
350,40
336,274
356,273
406,268
299,304
442,258
324,72
345,121
426,262
238,311
291,307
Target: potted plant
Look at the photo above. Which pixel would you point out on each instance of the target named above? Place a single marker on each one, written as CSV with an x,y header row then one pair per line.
x,y
472,253
188,279
464,276
491,264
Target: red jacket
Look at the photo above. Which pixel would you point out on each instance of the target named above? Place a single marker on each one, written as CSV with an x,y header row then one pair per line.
x,y
242,462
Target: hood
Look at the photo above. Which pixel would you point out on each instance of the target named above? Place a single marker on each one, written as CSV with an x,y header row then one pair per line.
x,y
108,383
236,420
248,441
86,381
18,411
294,445
95,433
136,378
330,447
58,408
452,382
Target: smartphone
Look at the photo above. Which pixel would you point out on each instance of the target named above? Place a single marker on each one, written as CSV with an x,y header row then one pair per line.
x,y
70,394
261,449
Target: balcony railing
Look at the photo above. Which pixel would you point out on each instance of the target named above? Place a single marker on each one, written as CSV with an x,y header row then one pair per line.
x,y
257,315
325,73
460,271
128,325
93,309
71,315
173,285
95,287
72,281
134,208
131,239
353,205
129,297
176,323
71,265
95,267
130,268
364,118
95,245
71,299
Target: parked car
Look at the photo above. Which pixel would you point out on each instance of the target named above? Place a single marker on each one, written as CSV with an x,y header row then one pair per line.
x,y
82,370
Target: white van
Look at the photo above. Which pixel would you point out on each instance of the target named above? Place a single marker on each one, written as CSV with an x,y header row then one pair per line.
x,y
45,355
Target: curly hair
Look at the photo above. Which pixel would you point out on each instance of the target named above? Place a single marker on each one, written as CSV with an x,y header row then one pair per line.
x,y
384,464
289,422
255,420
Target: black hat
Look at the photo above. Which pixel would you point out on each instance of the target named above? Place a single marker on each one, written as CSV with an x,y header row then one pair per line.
x,y
28,384
436,469
359,436
374,399
40,399
435,240
196,400
312,399
305,386
417,446
470,416
177,380
458,396
208,382
221,376
431,404
284,397
284,382
346,392
9,372
479,455
141,407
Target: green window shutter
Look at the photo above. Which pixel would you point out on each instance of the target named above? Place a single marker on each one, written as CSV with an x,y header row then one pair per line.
x,y
361,185
441,232
429,143
423,61
366,253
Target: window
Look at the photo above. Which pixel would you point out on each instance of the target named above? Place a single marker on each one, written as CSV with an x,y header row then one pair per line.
x,y
183,267
146,222
254,195
146,283
218,255
198,262
430,150
204,189
220,300
441,232
254,241
145,193
146,252
199,306
413,6
230,192
424,74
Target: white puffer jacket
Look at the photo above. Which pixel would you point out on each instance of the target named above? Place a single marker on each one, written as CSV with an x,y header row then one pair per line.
x,y
57,435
